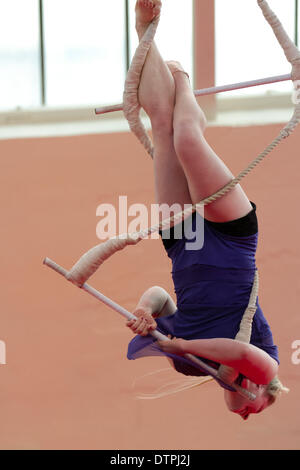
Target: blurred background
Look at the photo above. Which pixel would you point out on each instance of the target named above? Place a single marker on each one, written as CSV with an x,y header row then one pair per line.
x,y
67,383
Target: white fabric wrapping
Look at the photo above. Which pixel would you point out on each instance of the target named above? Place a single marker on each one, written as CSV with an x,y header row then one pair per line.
x,y
131,102
88,264
290,49
228,374
292,54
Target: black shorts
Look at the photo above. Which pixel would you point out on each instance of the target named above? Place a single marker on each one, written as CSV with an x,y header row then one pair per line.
x,y
242,227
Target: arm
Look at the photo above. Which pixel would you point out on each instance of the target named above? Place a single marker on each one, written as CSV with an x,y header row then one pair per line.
x,y
154,303
249,360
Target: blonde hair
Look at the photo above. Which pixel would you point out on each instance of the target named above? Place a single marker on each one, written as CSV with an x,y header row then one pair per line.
x,y
275,389
167,387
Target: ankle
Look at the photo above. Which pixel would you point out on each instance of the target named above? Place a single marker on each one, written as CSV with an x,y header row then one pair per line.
x,y
181,76
162,122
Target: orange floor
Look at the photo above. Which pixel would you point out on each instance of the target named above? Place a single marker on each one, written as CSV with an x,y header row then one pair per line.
x,y
67,383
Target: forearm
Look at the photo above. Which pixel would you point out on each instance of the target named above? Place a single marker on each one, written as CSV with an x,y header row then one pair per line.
x,y
247,359
157,301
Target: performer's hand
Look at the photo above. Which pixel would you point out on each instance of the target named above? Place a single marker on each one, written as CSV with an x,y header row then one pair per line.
x,y
144,323
174,346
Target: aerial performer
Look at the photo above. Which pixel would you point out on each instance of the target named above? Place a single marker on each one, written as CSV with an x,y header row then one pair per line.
x,y
212,284
217,327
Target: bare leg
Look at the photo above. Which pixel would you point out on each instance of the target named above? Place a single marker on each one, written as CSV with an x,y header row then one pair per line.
x,y
205,171
157,97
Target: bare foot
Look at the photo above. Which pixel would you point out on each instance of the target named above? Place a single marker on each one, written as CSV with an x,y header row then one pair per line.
x,y
146,11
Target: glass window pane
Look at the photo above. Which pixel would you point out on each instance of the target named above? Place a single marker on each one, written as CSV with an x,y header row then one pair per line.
x,y
246,48
19,54
174,36
298,25
85,52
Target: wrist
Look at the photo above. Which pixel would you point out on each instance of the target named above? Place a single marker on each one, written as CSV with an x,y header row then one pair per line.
x,y
145,309
184,345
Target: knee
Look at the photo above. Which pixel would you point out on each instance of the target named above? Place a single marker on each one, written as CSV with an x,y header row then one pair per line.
x,y
191,123
188,139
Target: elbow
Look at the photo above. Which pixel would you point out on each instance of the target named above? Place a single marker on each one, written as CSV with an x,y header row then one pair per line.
x,y
156,289
270,372
260,369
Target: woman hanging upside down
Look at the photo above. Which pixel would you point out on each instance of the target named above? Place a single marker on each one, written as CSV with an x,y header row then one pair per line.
x,y
212,284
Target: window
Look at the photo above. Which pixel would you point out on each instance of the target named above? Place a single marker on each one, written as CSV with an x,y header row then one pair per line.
x,y
19,54
73,53
84,51
174,34
246,47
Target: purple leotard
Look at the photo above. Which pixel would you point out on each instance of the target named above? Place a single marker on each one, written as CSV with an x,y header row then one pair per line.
x,y
213,286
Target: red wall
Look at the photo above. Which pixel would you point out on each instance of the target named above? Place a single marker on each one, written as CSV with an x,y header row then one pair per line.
x,y
67,382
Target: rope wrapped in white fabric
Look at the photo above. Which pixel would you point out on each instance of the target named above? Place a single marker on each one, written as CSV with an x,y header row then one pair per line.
x,y
290,49
132,106
228,374
88,264
292,54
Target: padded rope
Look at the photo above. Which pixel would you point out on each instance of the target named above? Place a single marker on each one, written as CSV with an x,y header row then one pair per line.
x,y
132,106
290,49
226,373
